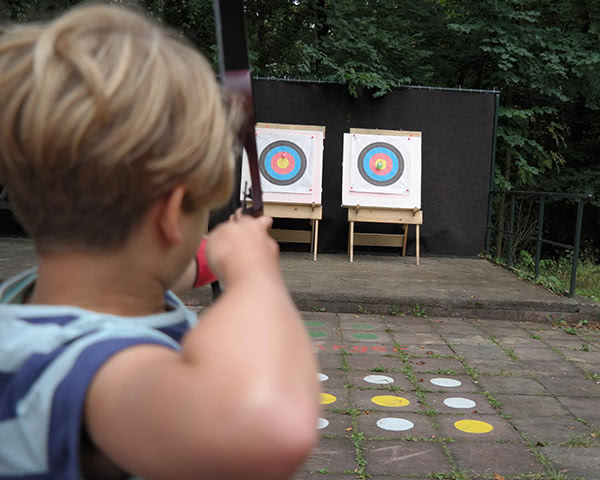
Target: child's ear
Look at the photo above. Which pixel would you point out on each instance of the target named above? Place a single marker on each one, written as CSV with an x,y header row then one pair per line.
x,y
169,216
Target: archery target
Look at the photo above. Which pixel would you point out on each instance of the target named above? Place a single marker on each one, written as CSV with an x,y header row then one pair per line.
x,y
382,170
290,161
380,164
282,162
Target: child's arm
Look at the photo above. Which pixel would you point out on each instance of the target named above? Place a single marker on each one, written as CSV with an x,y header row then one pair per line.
x,y
241,401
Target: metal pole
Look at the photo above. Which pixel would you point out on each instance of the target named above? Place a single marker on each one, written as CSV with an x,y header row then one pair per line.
x,y
488,229
509,256
538,245
576,249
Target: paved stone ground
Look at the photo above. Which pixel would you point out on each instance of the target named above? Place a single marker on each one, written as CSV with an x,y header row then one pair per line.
x,y
537,385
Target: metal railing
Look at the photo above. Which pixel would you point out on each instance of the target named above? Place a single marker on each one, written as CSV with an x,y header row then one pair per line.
x,y
581,198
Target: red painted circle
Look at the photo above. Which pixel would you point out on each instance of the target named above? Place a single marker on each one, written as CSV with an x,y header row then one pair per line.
x,y
276,168
373,164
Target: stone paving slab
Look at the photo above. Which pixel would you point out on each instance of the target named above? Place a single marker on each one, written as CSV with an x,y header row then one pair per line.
x,y
502,429
497,367
526,406
358,380
576,462
378,337
467,384
422,428
516,385
394,457
387,363
488,458
428,350
436,400
338,424
583,407
362,399
573,387
335,455
437,365
548,430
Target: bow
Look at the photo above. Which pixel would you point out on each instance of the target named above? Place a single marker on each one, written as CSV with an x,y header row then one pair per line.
x,y
235,76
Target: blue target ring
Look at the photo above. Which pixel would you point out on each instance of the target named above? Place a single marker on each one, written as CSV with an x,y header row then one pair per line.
x,y
282,163
380,164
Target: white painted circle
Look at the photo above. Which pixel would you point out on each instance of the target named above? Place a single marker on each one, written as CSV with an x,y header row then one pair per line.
x,y
446,382
395,424
322,423
458,402
321,377
379,379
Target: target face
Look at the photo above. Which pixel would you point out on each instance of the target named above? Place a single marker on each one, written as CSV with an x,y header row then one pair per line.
x,y
282,162
380,164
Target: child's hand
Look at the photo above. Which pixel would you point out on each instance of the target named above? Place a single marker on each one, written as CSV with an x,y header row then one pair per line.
x,y
241,248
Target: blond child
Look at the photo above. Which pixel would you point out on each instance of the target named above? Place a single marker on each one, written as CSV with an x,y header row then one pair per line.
x,y
114,144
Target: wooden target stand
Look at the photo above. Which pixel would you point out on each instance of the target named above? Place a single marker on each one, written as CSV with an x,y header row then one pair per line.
x,y
298,211
403,216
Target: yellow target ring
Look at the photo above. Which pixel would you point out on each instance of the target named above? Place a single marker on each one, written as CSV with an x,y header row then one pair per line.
x,y
282,162
327,398
473,426
390,401
380,164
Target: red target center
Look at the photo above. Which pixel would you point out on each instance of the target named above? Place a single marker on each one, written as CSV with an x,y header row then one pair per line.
x,y
282,158
378,157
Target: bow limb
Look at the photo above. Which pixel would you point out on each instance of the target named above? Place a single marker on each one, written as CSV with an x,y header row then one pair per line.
x,y
235,75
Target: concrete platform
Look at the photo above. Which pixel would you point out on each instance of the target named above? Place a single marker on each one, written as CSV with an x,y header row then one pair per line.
x,y
451,287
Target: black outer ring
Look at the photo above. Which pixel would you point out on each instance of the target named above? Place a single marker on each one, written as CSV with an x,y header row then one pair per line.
x,y
389,181
281,143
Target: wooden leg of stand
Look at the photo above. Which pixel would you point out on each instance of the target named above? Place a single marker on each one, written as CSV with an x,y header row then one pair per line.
x,y
351,240
418,244
405,239
312,236
316,240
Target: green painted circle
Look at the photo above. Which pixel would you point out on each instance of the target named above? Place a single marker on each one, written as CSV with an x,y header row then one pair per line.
x,y
363,326
318,334
314,323
366,336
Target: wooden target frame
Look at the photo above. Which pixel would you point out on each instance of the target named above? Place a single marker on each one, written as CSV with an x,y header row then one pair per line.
x,y
375,211
296,205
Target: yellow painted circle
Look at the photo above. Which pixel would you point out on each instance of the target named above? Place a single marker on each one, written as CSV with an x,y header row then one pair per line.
x,y
390,401
380,164
327,398
473,426
282,162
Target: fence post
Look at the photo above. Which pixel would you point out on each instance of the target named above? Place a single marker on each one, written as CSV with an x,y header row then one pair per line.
x,y
538,245
509,257
488,230
576,249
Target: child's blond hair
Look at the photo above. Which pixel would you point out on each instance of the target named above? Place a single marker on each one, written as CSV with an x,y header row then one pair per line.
x,y
102,112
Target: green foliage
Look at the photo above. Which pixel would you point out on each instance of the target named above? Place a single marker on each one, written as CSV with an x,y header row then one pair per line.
x,y
418,311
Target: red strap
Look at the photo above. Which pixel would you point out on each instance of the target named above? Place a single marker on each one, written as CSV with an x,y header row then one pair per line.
x,y
204,275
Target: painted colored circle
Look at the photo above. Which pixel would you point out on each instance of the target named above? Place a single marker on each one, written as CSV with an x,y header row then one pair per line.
x,y
446,382
282,162
473,426
318,334
379,379
314,323
363,326
322,423
390,401
365,336
380,154
458,402
322,377
395,424
327,398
